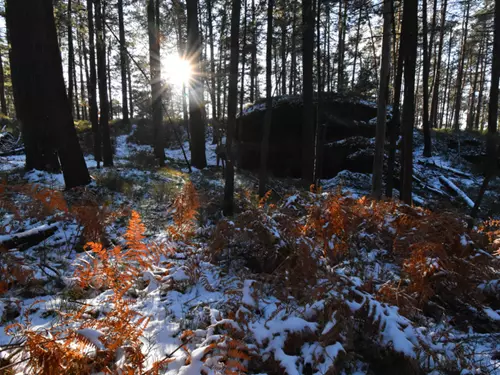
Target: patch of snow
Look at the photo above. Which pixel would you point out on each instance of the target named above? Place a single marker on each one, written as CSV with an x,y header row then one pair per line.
x,y
492,314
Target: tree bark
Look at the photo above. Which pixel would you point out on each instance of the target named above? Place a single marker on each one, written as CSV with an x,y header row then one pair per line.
x,y
131,100
437,77
107,152
197,126
243,56
123,62
212,67
491,141
293,51
446,96
472,96
221,71
356,46
83,99
396,116
155,71
38,84
264,151
340,66
92,87
461,63
409,38
426,68
283,27
378,160
228,204
481,91
76,100
71,56
3,102
308,112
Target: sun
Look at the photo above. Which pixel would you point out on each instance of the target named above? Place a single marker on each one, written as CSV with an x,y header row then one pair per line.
x,y
178,71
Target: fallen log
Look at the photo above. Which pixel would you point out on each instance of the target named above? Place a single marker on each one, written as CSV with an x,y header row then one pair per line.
x,y
25,240
449,184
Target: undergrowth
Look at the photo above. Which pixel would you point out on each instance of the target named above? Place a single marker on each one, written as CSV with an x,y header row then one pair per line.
x,y
315,283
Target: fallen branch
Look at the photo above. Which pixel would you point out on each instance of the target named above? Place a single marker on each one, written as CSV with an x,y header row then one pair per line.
x,y
15,151
27,239
457,190
444,167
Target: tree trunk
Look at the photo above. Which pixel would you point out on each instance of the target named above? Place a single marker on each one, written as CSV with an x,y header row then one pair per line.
x,y
107,152
228,204
39,90
356,47
409,38
308,112
293,51
461,63
264,151
221,71
76,100
131,100
3,102
92,88
212,67
327,63
426,68
472,96
155,71
396,118
481,90
491,141
378,160
197,127
432,49
123,62
340,71
108,71
446,96
243,56
71,56
319,112
283,53
83,99
437,77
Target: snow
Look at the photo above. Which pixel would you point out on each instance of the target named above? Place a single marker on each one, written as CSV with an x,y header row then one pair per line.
x,y
93,336
248,299
41,228
176,299
492,314
457,190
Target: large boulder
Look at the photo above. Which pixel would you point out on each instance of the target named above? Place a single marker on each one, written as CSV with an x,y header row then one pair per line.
x,y
349,126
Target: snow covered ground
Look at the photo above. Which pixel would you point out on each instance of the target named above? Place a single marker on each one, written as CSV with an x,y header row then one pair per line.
x,y
210,311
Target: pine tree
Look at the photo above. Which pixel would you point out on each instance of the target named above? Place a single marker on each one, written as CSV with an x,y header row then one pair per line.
x,y
156,90
196,124
107,151
40,94
123,62
228,205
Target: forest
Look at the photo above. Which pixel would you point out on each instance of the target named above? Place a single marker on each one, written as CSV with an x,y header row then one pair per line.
x,y
278,187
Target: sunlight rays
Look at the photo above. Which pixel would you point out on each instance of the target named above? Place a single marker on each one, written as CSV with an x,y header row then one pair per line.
x,y
177,71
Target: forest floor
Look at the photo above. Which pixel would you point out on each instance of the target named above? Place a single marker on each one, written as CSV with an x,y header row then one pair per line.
x,y
320,282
